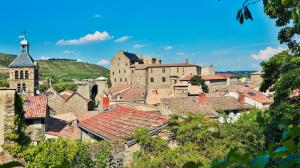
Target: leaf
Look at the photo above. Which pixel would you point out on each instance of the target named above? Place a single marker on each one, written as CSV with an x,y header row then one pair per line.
x,y
247,13
241,19
260,161
238,14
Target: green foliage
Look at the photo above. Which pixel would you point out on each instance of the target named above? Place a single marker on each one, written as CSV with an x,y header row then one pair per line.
x,y
196,80
4,83
199,141
43,87
11,164
6,59
17,139
285,154
67,153
59,87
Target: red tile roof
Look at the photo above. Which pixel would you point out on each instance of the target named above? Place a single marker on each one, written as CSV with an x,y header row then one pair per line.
x,y
226,75
258,96
118,88
67,94
212,77
121,122
35,107
133,94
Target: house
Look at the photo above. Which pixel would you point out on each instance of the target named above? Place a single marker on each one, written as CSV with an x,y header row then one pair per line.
x,y
252,96
208,107
119,123
231,79
36,114
67,101
154,96
124,93
256,77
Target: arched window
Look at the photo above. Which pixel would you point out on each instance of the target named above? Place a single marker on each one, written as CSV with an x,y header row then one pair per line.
x,y
24,87
19,88
26,74
16,75
21,75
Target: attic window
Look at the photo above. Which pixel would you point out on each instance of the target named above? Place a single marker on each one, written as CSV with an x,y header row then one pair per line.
x,y
251,94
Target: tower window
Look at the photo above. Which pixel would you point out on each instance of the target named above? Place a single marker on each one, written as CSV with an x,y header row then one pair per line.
x,y
26,74
163,70
21,75
163,79
24,87
16,75
19,88
152,80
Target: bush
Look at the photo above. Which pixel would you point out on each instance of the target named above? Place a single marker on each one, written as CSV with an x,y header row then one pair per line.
x,y
59,87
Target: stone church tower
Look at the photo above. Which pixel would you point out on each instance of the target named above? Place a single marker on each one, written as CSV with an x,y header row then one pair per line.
x,y
23,72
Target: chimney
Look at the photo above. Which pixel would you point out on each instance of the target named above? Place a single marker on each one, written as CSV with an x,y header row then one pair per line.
x,y
202,98
242,98
105,103
155,92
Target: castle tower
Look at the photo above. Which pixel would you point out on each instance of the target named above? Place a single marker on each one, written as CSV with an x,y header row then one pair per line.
x,y
23,72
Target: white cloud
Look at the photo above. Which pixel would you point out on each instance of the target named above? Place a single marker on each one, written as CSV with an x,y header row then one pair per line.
x,y
97,36
267,53
44,58
103,62
138,46
168,48
122,39
70,52
181,53
97,16
80,60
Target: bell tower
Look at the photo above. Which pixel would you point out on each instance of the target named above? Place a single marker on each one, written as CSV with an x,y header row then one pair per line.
x,y
23,71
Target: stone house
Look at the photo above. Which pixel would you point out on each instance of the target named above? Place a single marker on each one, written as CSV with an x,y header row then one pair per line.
x,y
149,73
67,101
23,72
36,114
256,77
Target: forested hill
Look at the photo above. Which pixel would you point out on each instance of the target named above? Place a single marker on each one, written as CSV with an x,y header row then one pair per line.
x,y
63,69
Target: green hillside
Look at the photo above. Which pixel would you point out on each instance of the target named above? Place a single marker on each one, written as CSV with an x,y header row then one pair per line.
x,y
63,70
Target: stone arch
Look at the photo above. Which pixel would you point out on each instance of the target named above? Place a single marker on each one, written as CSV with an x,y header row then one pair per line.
x,y
94,93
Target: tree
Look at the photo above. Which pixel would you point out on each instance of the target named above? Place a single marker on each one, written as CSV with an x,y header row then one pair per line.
x,y
196,80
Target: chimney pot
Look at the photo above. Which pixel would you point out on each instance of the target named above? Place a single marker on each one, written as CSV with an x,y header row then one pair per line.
x,y
105,103
242,98
202,98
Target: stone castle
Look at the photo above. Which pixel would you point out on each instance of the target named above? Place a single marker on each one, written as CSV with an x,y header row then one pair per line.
x,y
149,73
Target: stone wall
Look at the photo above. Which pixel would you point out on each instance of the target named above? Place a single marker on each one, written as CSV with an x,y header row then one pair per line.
x,y
120,70
31,83
7,113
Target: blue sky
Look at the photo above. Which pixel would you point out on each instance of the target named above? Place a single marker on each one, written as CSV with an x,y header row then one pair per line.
x,y
204,31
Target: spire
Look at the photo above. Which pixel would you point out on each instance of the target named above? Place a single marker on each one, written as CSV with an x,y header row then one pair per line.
x,y
24,44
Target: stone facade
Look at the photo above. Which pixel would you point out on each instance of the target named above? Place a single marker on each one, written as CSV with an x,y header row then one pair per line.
x,y
149,73
208,70
7,113
24,80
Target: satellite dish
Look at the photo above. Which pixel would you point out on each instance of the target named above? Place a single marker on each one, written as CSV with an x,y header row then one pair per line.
x,y
37,92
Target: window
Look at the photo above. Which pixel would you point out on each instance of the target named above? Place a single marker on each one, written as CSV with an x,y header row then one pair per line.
x,y
151,70
19,88
183,71
126,64
177,70
120,79
152,80
124,71
132,71
21,75
115,80
118,64
125,79
163,70
24,87
119,71
113,73
163,79
26,74
16,75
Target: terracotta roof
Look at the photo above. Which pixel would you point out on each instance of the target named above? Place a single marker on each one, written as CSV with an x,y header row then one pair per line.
x,y
59,127
208,109
144,66
133,94
226,75
121,122
212,77
35,107
67,94
258,96
154,96
118,88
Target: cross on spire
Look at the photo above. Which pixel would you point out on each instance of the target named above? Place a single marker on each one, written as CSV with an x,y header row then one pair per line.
x,y
24,33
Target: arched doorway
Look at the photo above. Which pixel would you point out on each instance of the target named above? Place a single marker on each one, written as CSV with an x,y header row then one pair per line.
x,y
94,93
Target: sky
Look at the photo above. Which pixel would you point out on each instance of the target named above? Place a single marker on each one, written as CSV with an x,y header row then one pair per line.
x,y
203,31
